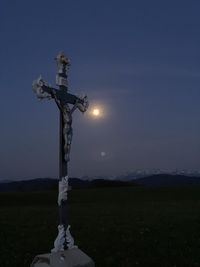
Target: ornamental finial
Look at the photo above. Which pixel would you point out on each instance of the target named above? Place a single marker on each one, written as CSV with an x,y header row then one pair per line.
x,y
63,64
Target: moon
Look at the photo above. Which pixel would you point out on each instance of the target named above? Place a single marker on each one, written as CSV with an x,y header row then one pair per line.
x,y
96,112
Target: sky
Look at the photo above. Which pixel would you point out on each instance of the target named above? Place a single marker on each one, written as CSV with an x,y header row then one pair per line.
x,y
138,61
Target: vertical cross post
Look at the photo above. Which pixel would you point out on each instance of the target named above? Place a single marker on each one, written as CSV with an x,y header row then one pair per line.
x,y
61,80
63,64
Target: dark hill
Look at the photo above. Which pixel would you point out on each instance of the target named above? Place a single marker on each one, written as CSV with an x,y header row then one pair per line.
x,y
29,185
168,180
46,184
109,183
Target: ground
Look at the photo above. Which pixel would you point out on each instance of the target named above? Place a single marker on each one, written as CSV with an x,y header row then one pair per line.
x,y
119,227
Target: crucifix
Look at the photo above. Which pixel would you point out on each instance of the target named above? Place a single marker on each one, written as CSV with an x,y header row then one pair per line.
x,y
67,103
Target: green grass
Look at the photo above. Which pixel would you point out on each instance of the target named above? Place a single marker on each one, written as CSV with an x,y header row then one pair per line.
x,y
119,227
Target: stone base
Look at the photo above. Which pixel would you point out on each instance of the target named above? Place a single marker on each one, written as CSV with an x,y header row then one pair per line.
x,y
69,258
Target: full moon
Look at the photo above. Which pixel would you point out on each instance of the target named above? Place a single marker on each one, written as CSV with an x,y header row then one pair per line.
x,y
96,112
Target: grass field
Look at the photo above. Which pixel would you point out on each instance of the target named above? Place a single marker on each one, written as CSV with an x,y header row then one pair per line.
x,y
119,227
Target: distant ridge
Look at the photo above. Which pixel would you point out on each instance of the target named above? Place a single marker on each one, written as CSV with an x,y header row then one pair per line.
x,y
38,184
46,184
168,180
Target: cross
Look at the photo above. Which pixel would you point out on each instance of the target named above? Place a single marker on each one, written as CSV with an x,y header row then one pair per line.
x,y
67,104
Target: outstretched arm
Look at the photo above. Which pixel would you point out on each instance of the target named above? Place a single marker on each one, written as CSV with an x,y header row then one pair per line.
x,y
81,103
54,96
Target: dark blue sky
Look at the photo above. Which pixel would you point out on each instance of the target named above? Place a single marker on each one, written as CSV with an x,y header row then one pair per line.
x,y
139,60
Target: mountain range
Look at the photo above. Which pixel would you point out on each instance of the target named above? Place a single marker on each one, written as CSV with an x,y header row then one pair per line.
x,y
45,184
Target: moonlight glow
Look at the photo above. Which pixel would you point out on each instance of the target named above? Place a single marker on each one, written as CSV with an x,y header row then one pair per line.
x,y
103,154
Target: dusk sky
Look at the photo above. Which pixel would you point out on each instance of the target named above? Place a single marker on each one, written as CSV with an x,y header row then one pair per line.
x,y
138,61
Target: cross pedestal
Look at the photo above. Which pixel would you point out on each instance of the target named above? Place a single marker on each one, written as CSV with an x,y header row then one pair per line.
x,y
69,258
64,253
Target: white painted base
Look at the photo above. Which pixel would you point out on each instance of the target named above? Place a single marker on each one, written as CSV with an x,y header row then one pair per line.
x,y
69,258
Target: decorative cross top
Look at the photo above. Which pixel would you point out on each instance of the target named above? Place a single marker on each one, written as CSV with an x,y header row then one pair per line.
x,y
67,104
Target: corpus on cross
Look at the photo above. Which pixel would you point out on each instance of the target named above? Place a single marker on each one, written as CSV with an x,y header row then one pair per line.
x,y
67,104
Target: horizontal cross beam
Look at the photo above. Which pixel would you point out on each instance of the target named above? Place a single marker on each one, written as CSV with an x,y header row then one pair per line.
x,y
44,90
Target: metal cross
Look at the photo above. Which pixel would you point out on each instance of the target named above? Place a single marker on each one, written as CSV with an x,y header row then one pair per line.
x,y
67,104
